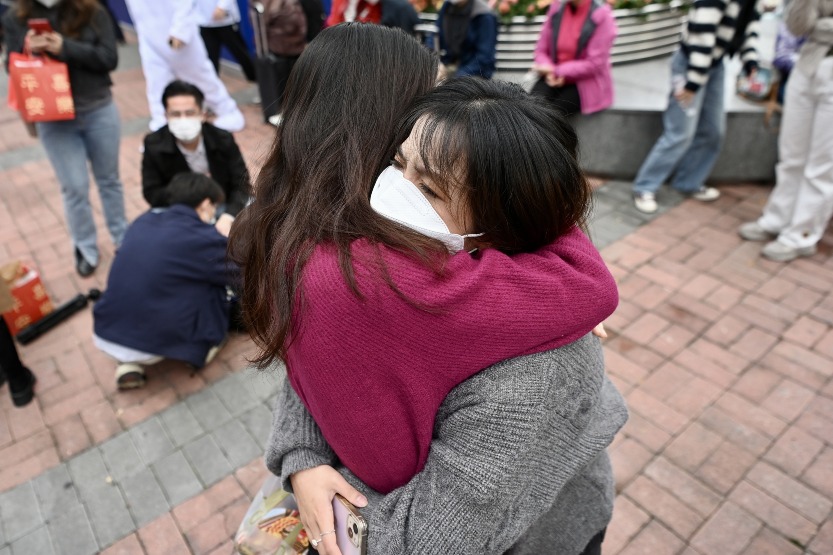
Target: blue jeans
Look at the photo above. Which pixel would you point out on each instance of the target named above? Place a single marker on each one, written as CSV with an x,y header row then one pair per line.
x,y
691,138
93,136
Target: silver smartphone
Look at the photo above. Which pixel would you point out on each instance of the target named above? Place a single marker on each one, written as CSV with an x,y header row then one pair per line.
x,y
351,527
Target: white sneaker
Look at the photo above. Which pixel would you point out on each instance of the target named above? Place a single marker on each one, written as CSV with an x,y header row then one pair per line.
x,y
706,194
751,231
645,202
779,252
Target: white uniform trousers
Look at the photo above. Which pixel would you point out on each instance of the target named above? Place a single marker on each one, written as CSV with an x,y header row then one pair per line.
x,y
801,204
156,21
161,64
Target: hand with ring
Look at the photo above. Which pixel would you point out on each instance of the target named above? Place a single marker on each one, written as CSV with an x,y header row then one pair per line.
x,y
316,542
314,490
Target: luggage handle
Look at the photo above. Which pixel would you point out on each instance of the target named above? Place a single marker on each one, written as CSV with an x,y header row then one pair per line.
x,y
258,15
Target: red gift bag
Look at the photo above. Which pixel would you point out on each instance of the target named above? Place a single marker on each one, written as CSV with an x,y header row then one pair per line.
x,y
39,86
30,302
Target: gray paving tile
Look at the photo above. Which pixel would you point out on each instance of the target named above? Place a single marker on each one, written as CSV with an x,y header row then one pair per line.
x,y
207,459
72,533
208,409
151,441
177,478
122,457
55,491
236,443
622,190
88,472
144,496
109,515
237,395
20,512
258,422
36,542
264,383
181,424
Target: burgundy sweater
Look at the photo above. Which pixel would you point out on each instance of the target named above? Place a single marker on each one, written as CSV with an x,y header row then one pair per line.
x,y
373,371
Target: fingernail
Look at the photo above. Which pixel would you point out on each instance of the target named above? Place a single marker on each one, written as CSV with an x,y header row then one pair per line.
x,y
361,500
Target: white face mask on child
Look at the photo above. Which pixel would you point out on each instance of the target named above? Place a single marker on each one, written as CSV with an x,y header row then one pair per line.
x,y
397,199
185,129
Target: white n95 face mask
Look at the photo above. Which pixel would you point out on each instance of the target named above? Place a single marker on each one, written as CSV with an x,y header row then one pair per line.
x,y
397,199
185,129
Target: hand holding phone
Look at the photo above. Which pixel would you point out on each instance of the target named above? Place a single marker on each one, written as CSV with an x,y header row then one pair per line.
x,y
351,527
40,26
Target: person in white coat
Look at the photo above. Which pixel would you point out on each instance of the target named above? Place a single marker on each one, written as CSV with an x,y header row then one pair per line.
x,y
171,48
800,207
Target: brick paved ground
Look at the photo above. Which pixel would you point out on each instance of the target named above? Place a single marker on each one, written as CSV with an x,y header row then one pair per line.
x,y
725,359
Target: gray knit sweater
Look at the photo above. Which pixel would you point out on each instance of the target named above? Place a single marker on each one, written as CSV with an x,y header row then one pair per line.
x,y
517,464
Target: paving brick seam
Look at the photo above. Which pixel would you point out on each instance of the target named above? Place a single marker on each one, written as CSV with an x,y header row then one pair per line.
x,y
106,472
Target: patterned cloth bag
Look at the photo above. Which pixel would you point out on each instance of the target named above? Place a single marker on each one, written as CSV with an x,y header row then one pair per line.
x,y
272,525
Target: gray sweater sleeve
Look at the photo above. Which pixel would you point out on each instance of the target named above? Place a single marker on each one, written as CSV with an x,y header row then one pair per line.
x,y
507,442
295,442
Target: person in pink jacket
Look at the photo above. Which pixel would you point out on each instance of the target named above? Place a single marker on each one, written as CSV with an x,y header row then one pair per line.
x,y
573,56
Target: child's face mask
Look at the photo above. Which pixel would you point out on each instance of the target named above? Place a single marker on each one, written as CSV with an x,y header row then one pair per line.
x,y
397,199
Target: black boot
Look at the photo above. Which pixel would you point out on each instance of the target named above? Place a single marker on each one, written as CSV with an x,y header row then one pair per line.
x,y
22,394
84,268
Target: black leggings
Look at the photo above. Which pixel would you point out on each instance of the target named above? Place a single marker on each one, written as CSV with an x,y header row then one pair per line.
x,y
229,36
565,99
595,545
10,364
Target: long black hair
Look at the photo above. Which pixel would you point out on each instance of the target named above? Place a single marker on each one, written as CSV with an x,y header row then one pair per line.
x,y
343,100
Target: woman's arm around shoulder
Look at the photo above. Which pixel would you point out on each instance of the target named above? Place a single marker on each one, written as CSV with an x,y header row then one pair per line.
x,y
506,443
295,441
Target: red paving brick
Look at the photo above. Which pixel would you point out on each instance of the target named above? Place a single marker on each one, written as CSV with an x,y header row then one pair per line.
x,y
729,531
162,537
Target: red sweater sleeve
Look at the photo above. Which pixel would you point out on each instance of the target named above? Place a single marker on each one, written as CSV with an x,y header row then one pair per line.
x,y
373,370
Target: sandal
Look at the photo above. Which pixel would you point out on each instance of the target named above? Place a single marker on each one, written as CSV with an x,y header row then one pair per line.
x,y
129,376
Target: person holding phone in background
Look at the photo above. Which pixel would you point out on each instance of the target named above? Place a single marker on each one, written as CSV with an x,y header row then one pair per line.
x,y
80,34
388,280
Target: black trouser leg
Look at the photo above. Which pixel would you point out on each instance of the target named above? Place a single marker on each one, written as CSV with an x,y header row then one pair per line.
x,y
595,545
229,36
213,42
9,360
232,39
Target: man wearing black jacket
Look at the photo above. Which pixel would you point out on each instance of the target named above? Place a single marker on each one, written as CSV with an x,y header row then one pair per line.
x,y
189,143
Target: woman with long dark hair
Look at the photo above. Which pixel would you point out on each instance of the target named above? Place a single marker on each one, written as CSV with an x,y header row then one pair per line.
x,y
83,38
385,323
